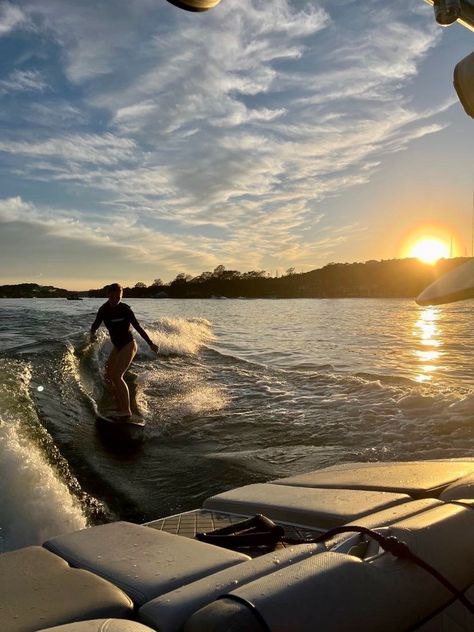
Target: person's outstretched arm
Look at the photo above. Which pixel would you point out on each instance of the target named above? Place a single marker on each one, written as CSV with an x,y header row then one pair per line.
x,y
96,324
142,332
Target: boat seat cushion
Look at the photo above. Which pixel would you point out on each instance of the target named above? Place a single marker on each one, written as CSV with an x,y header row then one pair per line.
x,y
334,592
418,480
101,625
387,517
143,561
169,612
462,489
39,589
314,508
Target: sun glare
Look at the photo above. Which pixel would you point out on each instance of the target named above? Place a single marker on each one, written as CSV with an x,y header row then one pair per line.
x,y
429,250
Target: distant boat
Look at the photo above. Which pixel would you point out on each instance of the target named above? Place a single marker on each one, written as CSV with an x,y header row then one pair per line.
x,y
74,297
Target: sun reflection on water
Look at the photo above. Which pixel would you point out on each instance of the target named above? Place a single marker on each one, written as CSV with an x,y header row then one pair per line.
x,y
427,332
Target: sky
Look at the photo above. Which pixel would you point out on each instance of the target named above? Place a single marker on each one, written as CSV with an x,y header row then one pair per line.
x,y
139,141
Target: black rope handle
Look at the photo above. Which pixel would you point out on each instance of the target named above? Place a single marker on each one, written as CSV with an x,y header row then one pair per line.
x,y
254,532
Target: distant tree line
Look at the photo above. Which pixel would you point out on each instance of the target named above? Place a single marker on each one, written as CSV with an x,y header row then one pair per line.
x,y
32,290
395,278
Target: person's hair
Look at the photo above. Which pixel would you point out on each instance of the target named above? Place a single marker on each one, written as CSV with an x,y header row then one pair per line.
x,y
113,287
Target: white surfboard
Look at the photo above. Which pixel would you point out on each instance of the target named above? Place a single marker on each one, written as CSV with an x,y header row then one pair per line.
x,y
456,285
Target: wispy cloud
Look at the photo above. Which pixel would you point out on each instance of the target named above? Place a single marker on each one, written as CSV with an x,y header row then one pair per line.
x,y
94,149
11,17
23,81
85,239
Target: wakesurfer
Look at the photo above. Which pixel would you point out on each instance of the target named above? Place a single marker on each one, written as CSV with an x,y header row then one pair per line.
x,y
118,317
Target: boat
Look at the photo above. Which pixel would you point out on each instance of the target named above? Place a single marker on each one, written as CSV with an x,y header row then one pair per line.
x,y
322,564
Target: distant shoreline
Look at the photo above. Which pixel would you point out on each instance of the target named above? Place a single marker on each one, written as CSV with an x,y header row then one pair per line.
x,y
395,278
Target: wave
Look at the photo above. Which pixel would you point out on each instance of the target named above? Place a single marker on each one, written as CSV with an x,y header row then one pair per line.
x,y
180,336
171,392
172,395
395,380
173,337
85,361
36,503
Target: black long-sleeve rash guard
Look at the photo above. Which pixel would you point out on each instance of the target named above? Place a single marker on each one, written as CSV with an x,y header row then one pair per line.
x,y
117,319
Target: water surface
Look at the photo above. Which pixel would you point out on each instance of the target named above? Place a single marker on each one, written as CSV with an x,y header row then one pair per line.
x,y
241,391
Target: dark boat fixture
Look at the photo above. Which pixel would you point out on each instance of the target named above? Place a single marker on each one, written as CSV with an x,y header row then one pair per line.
x,y
195,5
449,11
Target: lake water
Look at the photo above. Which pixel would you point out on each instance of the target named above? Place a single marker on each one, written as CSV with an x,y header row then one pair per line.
x,y
241,391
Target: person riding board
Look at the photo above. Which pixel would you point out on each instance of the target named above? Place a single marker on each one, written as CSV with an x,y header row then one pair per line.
x,y
118,317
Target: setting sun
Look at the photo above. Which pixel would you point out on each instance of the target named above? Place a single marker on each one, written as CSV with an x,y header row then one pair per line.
x,y
429,250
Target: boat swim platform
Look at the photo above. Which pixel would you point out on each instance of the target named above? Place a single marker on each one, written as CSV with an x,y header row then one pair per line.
x,y
190,523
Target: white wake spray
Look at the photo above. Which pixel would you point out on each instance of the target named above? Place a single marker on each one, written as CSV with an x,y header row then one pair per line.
x,y
180,336
35,504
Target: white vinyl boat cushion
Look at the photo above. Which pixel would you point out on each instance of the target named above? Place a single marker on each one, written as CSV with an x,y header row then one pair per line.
x,y
417,479
39,589
463,489
335,592
388,517
144,562
101,625
316,508
169,612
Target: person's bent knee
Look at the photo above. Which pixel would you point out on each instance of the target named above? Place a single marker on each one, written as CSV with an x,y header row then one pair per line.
x,y
117,378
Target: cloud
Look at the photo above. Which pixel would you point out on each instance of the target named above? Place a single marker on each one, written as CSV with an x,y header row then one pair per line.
x,y
96,243
95,149
67,240
23,81
10,18
55,113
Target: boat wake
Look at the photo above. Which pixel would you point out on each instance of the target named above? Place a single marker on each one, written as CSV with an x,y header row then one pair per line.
x,y
35,499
